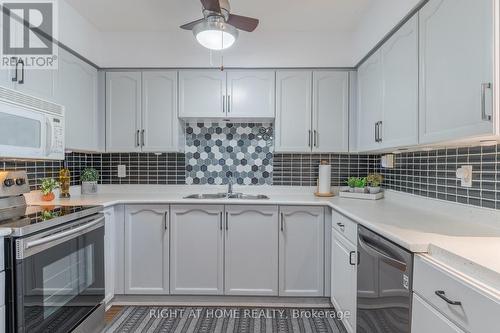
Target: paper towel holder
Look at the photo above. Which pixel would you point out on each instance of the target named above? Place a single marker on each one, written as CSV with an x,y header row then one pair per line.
x,y
317,193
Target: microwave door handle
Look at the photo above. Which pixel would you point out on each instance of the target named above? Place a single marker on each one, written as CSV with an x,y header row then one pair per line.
x,y
48,134
63,234
398,264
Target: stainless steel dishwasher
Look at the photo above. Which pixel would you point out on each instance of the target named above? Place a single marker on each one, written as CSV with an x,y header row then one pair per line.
x,y
384,290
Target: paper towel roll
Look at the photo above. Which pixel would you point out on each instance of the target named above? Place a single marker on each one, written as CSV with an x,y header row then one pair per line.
x,y
324,182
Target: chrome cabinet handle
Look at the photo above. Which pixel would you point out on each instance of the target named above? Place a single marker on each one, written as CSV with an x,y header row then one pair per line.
x,y
21,81
315,138
309,139
484,116
14,79
227,223
380,136
376,132
356,262
165,216
137,140
282,226
142,138
224,104
228,103
441,294
220,221
378,253
341,226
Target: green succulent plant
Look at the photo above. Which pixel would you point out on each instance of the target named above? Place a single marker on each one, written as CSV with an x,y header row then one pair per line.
x,y
89,175
48,185
356,182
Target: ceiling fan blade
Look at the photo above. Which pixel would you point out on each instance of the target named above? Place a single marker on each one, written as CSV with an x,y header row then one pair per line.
x,y
211,5
190,26
243,23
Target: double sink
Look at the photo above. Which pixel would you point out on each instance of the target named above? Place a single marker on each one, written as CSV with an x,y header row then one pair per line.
x,y
240,196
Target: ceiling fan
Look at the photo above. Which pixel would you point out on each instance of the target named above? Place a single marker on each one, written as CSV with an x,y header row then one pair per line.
x,y
218,29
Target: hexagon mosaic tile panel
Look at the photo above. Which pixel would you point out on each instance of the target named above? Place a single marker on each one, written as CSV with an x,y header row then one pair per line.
x,y
216,152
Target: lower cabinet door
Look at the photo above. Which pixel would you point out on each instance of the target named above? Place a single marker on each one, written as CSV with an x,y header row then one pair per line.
x,y
251,250
146,249
109,254
344,279
301,251
197,250
426,319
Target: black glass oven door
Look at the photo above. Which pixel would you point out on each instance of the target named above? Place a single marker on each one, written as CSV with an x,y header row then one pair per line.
x,y
60,279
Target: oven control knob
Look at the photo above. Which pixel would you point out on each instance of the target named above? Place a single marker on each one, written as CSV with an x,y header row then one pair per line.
x,y
8,182
20,181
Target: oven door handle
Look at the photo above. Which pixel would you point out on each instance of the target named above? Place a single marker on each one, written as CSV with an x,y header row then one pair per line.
x,y
62,234
398,264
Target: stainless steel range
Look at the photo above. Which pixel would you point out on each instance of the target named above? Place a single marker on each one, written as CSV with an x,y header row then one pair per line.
x,y
54,262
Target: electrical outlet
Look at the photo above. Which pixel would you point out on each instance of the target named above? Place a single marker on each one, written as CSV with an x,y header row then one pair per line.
x,y
465,175
122,171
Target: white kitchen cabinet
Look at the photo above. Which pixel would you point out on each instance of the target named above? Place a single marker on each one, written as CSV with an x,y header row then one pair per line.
x,y
251,250
109,254
147,249
370,102
343,278
141,112
330,116
77,91
160,124
202,94
399,121
123,111
426,319
301,251
41,83
251,94
456,69
197,250
293,111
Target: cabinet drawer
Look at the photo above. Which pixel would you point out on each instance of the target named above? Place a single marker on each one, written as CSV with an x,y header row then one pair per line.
x,y
478,310
345,227
427,319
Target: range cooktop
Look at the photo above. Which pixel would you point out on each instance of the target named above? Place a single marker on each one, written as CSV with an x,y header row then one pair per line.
x,y
26,220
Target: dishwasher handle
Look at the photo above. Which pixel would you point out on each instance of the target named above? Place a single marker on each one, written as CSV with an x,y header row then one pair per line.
x,y
376,252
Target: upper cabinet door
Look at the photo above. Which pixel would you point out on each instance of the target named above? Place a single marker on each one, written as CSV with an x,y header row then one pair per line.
x,y
160,125
456,68
251,251
293,111
202,94
123,111
41,83
251,94
77,92
369,102
400,87
330,111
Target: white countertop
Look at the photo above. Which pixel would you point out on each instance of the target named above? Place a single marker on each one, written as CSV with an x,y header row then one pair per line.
x,y
418,224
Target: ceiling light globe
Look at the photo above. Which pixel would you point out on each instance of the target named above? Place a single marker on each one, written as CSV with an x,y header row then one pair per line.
x,y
214,34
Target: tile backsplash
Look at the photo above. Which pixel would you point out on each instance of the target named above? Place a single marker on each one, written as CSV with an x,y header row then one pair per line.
x,y
433,174
216,152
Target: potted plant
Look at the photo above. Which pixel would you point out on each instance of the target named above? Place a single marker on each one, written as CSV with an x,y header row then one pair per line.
x,y
351,183
89,178
48,186
374,180
360,185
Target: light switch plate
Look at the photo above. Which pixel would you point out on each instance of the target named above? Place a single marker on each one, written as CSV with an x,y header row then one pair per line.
x,y
464,173
387,161
122,171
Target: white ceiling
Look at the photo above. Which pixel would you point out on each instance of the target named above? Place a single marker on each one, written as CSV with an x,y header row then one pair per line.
x,y
275,15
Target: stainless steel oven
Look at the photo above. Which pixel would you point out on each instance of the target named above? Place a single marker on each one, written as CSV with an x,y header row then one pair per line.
x,y
57,278
384,292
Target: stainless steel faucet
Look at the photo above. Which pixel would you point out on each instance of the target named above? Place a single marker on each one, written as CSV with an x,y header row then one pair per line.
x,y
230,184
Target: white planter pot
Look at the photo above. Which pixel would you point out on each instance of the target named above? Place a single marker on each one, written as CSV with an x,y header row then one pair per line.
x,y
359,190
374,190
89,188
